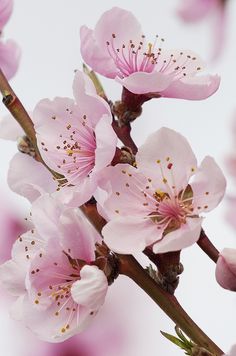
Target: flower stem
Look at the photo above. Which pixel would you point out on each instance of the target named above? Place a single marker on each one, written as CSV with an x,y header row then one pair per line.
x,y
207,246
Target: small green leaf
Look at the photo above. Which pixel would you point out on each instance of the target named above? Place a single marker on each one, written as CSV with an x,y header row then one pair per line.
x,y
175,341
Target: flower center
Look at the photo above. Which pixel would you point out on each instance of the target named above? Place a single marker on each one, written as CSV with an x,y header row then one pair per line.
x,y
140,56
172,212
133,57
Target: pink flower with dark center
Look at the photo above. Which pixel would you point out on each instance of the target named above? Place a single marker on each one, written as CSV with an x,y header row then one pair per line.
x,y
158,203
50,272
76,139
117,48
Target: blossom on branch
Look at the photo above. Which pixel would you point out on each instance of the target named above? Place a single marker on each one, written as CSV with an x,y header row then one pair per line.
x,y
75,138
158,203
117,49
59,291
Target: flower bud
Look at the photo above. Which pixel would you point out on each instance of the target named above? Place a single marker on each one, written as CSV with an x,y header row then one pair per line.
x,y
226,269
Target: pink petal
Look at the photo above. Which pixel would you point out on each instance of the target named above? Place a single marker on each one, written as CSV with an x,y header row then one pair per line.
x,y
90,104
125,191
12,277
226,269
130,234
90,291
30,185
195,10
25,248
9,58
77,195
208,186
143,83
48,328
106,141
46,110
94,55
167,158
77,235
6,7
10,129
46,212
193,88
120,22
183,237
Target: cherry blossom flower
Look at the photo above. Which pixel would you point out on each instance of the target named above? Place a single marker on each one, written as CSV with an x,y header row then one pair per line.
x,y
76,139
196,10
226,269
117,48
156,204
58,291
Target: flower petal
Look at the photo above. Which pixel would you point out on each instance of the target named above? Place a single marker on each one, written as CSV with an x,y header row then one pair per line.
x,y
126,190
122,23
91,289
90,104
130,234
143,83
12,277
6,7
193,88
9,58
78,236
183,237
32,185
226,269
208,186
106,141
195,10
167,158
94,55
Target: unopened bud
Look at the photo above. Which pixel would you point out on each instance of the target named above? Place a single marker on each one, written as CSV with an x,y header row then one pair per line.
x,y
226,269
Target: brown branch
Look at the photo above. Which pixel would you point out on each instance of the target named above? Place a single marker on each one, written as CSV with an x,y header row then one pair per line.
x,y
207,246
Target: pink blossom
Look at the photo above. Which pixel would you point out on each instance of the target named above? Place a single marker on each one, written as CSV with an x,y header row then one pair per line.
x,y
117,48
58,291
196,10
6,7
157,204
76,139
226,269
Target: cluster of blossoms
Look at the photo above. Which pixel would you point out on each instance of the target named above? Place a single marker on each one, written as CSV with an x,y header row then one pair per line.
x,y
153,200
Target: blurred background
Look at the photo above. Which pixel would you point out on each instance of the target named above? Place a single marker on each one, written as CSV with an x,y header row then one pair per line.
x,y
48,34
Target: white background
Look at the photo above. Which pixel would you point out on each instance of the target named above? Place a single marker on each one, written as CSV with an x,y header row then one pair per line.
x,y
48,33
